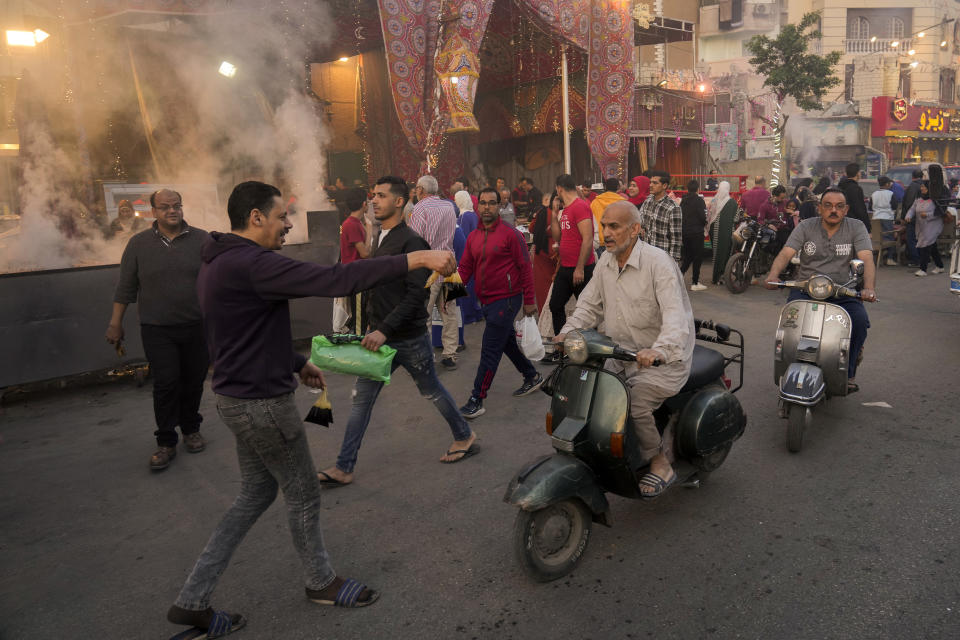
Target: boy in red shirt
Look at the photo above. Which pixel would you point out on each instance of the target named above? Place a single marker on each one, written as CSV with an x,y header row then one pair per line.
x,y
353,246
574,231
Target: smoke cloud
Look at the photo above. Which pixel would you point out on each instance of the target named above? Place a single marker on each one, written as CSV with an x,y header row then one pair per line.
x,y
204,128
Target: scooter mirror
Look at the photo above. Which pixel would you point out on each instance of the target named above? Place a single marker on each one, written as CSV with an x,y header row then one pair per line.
x,y
856,267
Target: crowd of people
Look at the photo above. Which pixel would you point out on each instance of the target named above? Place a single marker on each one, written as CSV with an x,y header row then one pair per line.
x,y
620,250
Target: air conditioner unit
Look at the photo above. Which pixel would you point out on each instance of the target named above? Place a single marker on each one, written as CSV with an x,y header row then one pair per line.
x,y
761,9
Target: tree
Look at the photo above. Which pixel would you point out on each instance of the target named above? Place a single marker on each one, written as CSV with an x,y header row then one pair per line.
x,y
791,71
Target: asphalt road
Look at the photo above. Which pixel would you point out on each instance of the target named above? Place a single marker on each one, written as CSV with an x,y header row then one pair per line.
x,y
855,537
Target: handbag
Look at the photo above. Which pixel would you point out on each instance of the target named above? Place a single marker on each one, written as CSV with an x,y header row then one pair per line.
x,y
342,353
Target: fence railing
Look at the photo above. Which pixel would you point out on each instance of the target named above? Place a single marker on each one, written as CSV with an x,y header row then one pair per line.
x,y
877,46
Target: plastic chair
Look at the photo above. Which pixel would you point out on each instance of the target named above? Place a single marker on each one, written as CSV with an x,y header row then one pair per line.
x,y
881,244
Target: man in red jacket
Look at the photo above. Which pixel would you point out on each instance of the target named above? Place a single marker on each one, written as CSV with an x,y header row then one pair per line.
x,y
496,257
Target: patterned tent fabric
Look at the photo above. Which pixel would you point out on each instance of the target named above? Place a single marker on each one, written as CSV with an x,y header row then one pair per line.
x,y
610,85
604,28
410,30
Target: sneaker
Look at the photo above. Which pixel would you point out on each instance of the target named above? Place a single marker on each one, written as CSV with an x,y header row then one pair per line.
x,y
161,458
936,270
529,386
449,364
194,442
892,263
473,408
698,287
920,273
554,357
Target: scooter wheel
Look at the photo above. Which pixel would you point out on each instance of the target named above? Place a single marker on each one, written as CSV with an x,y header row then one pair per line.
x,y
550,542
798,420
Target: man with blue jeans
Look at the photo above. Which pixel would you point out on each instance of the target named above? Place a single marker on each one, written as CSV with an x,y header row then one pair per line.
x,y
243,287
497,259
884,202
397,317
826,245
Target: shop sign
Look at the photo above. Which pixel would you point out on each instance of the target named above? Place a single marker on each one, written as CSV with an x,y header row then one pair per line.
x,y
900,109
894,116
932,120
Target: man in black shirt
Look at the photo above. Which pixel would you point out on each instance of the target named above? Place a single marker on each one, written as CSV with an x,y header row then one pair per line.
x,y
397,316
158,271
856,201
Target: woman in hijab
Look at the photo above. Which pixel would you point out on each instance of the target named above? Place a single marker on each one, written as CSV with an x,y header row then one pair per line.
x,y
720,215
929,228
638,190
468,217
808,204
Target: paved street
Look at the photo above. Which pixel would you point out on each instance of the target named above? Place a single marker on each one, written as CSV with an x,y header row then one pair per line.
x,y
855,537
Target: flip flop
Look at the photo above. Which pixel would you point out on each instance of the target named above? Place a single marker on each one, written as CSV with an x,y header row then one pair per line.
x,y
348,596
852,387
651,479
222,624
472,450
330,482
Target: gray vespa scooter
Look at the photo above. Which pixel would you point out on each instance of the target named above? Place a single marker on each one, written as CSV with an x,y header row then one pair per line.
x,y
596,449
812,350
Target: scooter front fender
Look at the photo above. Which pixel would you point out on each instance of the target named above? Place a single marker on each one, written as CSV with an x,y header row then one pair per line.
x,y
802,384
557,477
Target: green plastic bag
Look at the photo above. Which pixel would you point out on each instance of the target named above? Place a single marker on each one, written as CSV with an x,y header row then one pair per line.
x,y
342,353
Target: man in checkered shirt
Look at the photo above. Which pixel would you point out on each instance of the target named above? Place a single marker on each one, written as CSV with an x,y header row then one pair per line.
x,y
661,219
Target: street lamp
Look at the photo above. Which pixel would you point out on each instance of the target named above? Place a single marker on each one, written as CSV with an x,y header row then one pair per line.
x,y
17,38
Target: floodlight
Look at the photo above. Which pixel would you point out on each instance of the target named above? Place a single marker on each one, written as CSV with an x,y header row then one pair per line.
x,y
21,38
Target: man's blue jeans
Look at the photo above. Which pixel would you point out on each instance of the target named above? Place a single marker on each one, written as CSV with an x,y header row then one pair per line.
x,y
416,356
273,453
859,320
499,338
887,226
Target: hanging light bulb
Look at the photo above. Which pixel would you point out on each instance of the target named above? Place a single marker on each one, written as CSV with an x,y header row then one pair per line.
x,y
943,43
921,34
895,44
911,52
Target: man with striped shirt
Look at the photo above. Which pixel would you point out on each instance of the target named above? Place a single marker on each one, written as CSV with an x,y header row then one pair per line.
x,y
435,220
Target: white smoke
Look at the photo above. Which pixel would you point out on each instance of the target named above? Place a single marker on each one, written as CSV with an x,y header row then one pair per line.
x,y
262,124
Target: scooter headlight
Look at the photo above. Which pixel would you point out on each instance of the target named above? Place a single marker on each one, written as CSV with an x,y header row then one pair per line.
x,y
575,346
820,287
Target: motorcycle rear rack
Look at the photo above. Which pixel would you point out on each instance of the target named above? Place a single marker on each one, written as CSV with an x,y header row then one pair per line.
x,y
721,336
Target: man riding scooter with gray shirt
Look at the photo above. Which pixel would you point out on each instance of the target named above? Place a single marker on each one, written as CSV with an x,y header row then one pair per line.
x,y
825,246
636,297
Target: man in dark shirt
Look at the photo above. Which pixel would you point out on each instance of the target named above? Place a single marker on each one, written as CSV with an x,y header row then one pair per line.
x,y
244,287
856,201
158,271
397,317
694,211
909,196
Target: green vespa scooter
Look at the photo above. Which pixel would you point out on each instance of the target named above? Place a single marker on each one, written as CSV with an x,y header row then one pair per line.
x,y
561,495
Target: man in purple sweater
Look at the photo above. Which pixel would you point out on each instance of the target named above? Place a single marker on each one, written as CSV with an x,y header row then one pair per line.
x,y
243,287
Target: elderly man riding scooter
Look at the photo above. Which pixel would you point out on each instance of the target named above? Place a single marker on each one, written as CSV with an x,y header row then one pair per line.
x,y
826,245
637,298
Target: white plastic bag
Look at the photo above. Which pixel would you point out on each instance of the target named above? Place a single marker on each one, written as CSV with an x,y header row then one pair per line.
x,y
341,314
528,337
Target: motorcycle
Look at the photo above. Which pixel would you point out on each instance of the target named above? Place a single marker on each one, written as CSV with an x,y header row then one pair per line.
x,y
812,350
755,256
562,494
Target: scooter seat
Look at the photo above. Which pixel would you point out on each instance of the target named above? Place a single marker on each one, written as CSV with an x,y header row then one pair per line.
x,y
707,366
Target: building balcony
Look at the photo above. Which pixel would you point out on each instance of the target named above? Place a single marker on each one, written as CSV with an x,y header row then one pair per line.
x,y
878,45
750,15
